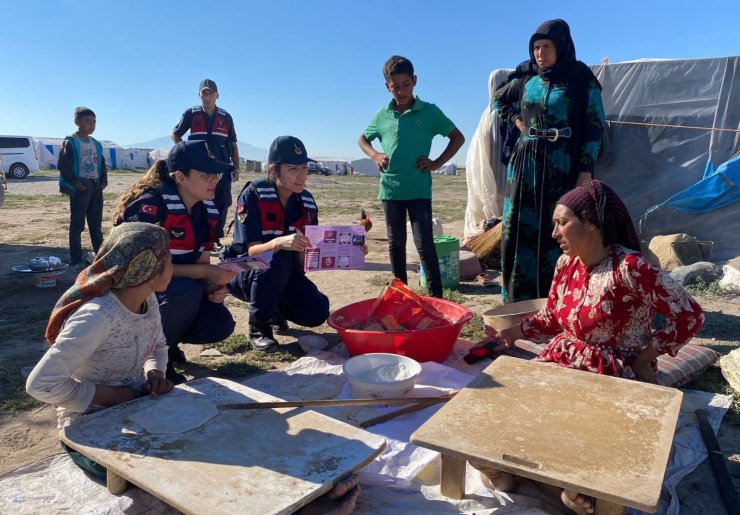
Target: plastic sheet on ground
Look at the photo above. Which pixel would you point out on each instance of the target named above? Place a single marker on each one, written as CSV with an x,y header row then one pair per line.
x,y
404,479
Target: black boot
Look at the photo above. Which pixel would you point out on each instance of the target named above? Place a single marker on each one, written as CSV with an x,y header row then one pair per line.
x,y
260,337
174,376
176,355
279,324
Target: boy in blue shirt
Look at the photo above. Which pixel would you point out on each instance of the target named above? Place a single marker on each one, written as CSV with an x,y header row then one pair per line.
x,y
405,128
83,176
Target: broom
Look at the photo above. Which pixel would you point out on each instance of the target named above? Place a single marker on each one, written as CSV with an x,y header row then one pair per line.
x,y
486,243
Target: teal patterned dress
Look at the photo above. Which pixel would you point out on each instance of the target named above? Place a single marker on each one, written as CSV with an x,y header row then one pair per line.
x,y
540,172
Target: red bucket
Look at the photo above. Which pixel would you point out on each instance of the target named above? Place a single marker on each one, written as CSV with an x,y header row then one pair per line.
x,y
432,344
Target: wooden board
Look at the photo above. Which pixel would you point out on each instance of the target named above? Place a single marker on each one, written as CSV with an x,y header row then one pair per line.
x,y
598,435
257,461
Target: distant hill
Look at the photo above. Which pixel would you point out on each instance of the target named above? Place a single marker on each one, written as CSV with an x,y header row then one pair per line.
x,y
246,150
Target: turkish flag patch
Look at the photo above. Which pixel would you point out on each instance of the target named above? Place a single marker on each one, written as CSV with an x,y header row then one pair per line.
x,y
149,209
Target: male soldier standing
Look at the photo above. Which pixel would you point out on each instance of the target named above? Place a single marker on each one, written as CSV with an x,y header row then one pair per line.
x,y
215,126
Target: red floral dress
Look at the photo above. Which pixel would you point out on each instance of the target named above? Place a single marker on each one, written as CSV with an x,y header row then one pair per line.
x,y
598,319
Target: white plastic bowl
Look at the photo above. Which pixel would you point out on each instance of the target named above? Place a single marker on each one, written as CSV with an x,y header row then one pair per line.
x,y
367,381
311,342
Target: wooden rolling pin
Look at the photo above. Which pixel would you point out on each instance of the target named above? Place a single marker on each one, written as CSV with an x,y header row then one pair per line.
x,y
395,401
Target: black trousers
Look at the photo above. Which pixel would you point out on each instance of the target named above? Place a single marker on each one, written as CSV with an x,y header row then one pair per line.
x,y
85,205
223,201
420,214
284,288
188,315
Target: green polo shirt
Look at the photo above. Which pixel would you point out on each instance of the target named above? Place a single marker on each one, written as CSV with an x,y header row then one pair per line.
x,y
405,137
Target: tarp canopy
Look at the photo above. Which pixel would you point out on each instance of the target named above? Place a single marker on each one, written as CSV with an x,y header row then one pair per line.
x,y
669,123
717,189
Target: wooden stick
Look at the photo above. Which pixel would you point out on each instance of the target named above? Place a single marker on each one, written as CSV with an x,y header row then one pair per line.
x,y
336,402
724,481
403,411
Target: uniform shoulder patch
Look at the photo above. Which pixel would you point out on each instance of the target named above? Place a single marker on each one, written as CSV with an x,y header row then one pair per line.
x,y
148,209
241,213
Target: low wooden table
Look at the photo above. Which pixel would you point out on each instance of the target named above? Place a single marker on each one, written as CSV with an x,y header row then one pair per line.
x,y
602,436
240,461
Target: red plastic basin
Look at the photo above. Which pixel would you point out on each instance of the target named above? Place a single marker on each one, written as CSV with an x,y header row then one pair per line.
x,y
422,345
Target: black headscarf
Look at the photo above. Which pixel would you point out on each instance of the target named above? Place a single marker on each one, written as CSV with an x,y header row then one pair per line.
x,y
567,67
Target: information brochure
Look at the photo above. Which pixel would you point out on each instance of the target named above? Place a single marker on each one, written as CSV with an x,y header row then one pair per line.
x,y
244,262
335,247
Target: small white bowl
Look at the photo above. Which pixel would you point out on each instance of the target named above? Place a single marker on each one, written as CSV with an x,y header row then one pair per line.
x,y
381,375
309,342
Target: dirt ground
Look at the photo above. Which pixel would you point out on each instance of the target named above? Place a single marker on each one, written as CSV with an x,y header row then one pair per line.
x,y
38,226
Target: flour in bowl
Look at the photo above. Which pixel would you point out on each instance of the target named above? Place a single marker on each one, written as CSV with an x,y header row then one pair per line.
x,y
387,374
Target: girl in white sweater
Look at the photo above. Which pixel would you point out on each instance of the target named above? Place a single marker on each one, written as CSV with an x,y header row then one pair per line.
x,y
105,334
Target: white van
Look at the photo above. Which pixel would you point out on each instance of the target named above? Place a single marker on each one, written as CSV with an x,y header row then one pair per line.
x,y
3,185
18,156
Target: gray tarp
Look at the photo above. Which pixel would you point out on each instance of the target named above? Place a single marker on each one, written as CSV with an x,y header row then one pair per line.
x,y
648,164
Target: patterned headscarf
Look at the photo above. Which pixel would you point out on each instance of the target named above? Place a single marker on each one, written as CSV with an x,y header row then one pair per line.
x,y
597,203
132,254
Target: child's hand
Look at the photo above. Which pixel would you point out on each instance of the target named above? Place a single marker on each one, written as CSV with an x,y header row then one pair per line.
x,y
157,383
426,164
381,160
365,250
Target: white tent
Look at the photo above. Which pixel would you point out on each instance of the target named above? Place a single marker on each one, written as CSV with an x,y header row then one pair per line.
x,y
365,166
448,169
50,154
484,172
44,154
47,149
127,157
667,120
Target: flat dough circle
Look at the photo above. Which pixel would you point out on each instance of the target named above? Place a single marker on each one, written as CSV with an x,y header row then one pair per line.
x,y
174,415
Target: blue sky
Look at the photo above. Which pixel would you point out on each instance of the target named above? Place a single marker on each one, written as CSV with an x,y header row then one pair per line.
x,y
307,68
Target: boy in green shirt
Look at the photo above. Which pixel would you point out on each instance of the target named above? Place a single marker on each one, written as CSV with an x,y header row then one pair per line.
x,y
405,128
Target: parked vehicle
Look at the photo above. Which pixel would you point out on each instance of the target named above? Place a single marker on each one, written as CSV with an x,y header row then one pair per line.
x,y
3,184
317,168
19,156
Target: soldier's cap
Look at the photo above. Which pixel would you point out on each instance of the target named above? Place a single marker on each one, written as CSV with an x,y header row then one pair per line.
x,y
207,84
288,150
194,154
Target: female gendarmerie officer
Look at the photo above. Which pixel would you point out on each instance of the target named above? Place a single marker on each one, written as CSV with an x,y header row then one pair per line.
x,y
178,195
270,216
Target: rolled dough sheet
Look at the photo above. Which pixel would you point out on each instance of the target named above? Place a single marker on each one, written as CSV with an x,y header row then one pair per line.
x,y
174,415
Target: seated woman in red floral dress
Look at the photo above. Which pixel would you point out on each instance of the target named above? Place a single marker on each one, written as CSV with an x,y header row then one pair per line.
x,y
602,302
599,314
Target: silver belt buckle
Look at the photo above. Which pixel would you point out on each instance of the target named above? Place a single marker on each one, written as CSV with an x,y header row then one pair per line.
x,y
555,137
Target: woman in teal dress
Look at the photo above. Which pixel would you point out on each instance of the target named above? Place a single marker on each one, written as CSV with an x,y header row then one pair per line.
x,y
555,102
